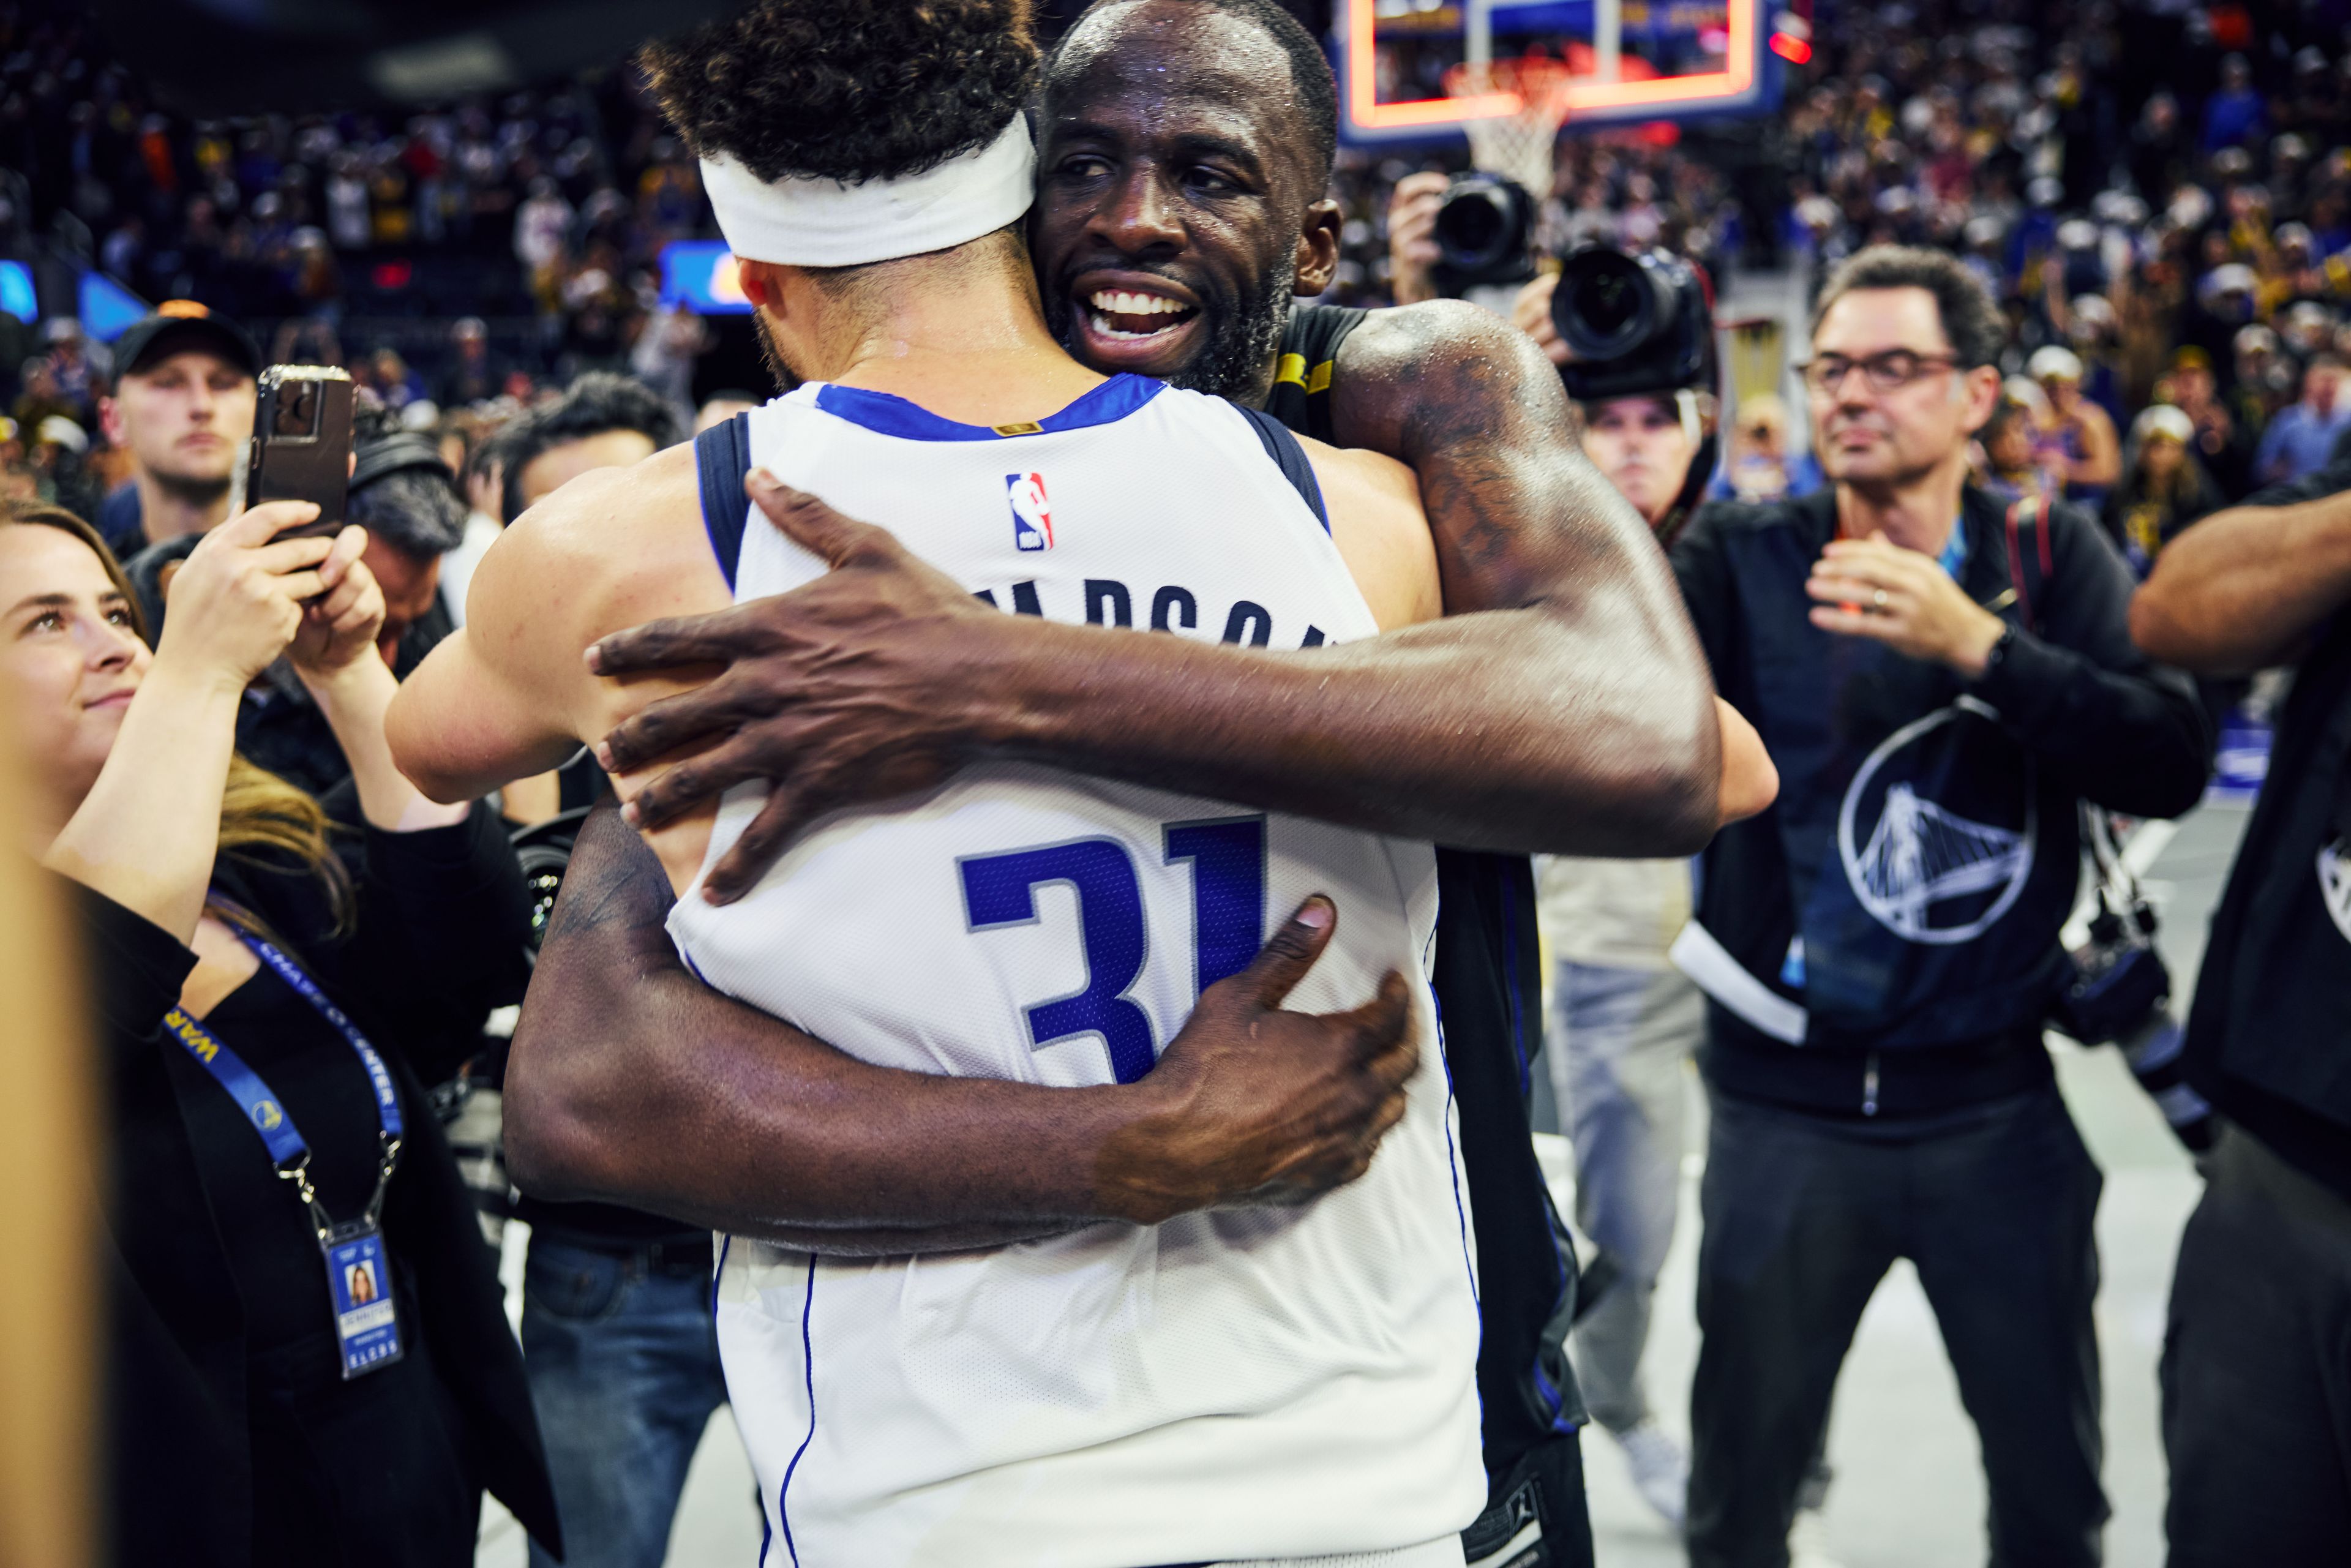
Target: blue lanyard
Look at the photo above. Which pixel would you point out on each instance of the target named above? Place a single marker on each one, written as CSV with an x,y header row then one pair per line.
x,y
267,1115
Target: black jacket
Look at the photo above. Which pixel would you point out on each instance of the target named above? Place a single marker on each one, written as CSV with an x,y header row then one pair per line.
x,y
2268,1038
1924,842
442,916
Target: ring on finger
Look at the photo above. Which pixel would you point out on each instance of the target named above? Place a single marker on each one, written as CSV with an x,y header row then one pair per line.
x,y
1878,601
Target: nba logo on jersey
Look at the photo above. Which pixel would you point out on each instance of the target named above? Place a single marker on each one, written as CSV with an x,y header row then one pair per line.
x,y
1032,525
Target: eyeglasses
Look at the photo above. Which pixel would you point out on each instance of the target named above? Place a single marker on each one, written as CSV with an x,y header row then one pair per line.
x,y
1888,372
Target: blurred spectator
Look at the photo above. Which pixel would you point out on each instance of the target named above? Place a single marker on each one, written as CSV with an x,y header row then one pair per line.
x,y
2164,488
2301,436
2235,113
2076,438
464,436
471,373
2223,446
672,339
1758,466
182,407
76,368
395,382
602,420
1624,1022
2012,468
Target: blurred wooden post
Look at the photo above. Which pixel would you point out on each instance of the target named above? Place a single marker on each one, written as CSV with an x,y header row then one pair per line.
x,y
50,1164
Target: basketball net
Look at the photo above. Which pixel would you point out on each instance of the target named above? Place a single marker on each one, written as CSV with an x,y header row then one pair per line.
x,y
1518,145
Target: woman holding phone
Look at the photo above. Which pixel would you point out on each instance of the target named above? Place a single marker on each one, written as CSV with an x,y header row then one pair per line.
x,y
308,1358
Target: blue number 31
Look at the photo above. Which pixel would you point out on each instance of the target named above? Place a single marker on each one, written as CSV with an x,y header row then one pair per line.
x,y
1227,856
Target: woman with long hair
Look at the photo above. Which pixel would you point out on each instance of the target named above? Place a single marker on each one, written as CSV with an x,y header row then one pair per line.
x,y
2164,488
308,1359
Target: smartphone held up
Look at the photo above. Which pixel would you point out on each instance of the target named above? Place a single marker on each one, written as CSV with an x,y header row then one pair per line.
x,y
301,447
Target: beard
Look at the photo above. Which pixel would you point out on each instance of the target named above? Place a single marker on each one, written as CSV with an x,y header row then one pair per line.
x,y
785,379
197,490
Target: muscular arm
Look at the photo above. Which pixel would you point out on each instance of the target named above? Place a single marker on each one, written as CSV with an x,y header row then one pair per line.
x,y
632,1080
1562,705
2246,588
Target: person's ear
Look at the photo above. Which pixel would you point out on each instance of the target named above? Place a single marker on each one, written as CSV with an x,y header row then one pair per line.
x,y
759,284
110,420
1318,249
1979,395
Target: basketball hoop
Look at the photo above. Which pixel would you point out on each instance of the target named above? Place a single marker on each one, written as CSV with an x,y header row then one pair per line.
x,y
1517,145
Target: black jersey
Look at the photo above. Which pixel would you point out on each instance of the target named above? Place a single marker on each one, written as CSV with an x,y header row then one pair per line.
x,y
1487,977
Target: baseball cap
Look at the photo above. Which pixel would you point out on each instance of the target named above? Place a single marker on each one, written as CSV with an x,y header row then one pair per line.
x,y
182,324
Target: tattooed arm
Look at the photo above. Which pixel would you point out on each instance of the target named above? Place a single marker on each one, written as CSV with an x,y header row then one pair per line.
x,y
632,1081
1563,705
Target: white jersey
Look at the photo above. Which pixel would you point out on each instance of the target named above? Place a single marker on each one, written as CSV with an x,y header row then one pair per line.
x,y
1271,1382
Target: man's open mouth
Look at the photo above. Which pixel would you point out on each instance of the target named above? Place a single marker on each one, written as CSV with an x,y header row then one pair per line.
x,y
1123,316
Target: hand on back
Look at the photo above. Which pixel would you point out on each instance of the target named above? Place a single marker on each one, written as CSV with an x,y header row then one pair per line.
x,y
1264,1106
236,602
864,686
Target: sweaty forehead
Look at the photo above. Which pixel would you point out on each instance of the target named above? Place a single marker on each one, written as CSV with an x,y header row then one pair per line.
x,y
1173,66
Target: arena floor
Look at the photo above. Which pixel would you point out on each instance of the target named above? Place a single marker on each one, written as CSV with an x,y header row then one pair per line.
x,y
1908,1490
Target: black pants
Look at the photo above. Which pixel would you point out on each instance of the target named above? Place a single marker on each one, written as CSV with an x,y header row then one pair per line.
x,y
2257,1369
1803,1216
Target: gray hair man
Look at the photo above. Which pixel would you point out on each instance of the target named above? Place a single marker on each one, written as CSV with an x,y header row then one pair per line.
x,y
1940,680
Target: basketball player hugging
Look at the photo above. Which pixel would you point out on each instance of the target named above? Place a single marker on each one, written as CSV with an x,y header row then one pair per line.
x,y
1229,1387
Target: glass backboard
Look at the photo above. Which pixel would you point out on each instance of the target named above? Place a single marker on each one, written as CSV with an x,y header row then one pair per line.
x,y
1408,69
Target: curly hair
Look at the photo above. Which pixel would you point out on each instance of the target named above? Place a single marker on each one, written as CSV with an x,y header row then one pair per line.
x,y
872,90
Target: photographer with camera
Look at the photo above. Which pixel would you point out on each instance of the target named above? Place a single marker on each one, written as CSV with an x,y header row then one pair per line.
x,y
1941,679
1461,236
1636,359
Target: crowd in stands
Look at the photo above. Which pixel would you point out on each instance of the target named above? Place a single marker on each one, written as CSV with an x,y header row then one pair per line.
x,y
2157,197
2174,245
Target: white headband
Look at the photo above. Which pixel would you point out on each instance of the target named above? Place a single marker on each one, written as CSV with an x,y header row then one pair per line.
x,y
829,223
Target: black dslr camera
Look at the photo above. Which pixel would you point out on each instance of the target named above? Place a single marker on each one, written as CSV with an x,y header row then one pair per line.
x,y
1485,233
1637,322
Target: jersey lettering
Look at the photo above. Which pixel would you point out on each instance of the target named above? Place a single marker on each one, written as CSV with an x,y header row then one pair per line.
x,y
1228,860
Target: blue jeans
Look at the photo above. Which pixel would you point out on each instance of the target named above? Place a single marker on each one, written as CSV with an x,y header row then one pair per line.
x,y
1619,1038
623,1358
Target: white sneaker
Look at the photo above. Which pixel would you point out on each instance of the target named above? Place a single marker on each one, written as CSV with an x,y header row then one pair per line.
x,y
1660,1469
1808,1542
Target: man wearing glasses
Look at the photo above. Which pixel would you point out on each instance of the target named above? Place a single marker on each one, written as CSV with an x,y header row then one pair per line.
x,y
1940,679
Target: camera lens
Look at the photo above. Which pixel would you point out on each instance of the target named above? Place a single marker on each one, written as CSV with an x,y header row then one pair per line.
x,y
1468,230
1605,305
1632,323
1482,230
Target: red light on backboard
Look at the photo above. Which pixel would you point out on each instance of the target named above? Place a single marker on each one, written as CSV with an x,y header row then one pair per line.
x,y
1792,48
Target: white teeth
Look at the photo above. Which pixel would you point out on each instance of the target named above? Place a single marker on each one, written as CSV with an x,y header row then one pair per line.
x,y
1119,302
1102,327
